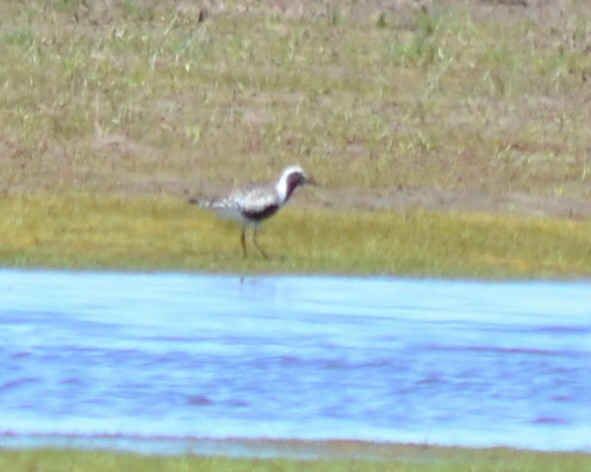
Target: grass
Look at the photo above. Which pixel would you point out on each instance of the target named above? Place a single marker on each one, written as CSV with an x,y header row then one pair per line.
x,y
411,460
114,112
143,97
163,233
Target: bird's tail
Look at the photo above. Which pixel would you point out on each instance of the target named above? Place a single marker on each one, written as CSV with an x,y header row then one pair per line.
x,y
200,202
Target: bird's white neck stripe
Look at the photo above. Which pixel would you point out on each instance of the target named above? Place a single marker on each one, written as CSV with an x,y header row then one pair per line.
x,y
287,183
281,189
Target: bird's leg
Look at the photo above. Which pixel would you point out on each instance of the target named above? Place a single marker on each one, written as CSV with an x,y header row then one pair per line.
x,y
243,241
254,240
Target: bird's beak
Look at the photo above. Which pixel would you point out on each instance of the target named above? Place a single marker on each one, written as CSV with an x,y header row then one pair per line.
x,y
311,181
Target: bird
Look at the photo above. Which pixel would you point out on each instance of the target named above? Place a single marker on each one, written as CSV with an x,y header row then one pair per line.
x,y
251,205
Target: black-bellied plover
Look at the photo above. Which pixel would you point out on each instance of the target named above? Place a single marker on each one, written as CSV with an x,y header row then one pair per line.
x,y
255,203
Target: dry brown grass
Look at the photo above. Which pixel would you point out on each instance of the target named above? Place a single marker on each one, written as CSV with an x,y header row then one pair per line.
x,y
477,107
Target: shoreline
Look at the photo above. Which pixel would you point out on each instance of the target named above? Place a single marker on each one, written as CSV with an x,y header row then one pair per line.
x,y
261,448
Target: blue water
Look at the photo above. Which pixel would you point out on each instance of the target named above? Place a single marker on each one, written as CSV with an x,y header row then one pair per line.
x,y
179,356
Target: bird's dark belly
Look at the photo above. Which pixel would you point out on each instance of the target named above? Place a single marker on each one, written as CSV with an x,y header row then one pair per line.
x,y
262,214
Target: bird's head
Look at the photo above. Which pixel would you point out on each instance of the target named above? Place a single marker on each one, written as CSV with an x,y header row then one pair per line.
x,y
291,178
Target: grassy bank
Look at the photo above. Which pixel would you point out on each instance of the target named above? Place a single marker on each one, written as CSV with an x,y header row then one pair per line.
x,y
402,459
165,233
396,113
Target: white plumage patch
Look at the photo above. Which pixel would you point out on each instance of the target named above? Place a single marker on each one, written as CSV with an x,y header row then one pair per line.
x,y
247,204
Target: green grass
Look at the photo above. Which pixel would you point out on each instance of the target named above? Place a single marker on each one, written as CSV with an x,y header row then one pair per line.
x,y
438,460
161,233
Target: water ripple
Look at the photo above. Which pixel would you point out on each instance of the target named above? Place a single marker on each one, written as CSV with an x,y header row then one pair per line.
x,y
179,355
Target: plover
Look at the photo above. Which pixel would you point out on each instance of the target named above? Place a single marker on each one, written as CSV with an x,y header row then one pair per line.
x,y
253,204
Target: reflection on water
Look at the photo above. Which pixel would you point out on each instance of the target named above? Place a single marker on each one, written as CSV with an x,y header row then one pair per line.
x,y
185,356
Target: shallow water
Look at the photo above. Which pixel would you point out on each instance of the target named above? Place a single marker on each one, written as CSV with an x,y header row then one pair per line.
x,y
189,356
